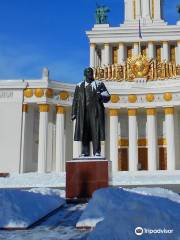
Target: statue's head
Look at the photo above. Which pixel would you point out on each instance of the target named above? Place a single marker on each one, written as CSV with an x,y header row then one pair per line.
x,y
89,74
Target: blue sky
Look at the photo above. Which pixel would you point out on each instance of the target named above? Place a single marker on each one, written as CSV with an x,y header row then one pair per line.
x,y
51,33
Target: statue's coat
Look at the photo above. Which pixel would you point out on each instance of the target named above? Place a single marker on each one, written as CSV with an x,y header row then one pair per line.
x,y
78,108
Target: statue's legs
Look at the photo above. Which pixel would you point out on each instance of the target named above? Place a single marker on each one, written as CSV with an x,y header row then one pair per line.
x,y
85,148
86,136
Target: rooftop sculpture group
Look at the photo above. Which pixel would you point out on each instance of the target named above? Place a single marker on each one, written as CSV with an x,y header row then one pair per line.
x,y
102,14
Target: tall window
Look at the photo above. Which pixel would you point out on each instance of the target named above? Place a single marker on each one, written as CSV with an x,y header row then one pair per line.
x,y
129,51
158,53
115,55
173,54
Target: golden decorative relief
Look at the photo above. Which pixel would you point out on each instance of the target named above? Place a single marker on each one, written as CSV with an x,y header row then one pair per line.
x,y
39,92
123,142
113,112
132,112
49,93
169,111
168,96
43,108
139,66
115,98
60,110
151,111
28,93
162,141
142,142
150,97
25,108
64,95
132,98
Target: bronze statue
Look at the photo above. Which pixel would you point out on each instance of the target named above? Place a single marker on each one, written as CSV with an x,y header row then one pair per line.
x,y
88,111
101,14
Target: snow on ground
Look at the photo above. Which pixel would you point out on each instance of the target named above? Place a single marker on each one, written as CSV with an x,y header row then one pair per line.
x,y
33,180
21,208
59,226
116,213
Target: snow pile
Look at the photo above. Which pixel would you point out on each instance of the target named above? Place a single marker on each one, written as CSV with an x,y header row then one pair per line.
x,y
22,208
116,213
26,180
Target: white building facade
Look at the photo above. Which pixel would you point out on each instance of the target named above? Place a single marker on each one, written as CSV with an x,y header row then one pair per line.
x,y
142,118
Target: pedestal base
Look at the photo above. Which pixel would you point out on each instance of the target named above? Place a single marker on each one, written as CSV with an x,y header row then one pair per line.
x,y
84,176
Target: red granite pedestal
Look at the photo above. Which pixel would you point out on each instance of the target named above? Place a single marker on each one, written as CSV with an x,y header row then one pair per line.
x,y
84,176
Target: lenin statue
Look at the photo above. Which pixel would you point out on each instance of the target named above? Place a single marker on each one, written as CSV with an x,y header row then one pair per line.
x,y
88,111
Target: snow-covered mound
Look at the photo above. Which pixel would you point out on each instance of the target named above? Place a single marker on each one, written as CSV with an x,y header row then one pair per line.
x,y
22,208
116,213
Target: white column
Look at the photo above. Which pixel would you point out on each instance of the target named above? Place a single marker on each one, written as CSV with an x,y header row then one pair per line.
x,y
92,54
60,145
150,50
138,9
146,9
178,53
157,10
121,53
114,139
152,139
43,137
76,144
170,138
23,139
107,53
136,49
128,14
133,148
165,51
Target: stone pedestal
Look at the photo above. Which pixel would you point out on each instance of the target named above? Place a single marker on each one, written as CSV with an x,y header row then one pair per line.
x,y
84,176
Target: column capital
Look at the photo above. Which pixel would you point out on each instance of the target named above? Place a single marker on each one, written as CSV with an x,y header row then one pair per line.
x,y
121,44
151,111
169,110
132,112
106,44
25,107
43,107
178,41
60,110
92,45
165,42
113,112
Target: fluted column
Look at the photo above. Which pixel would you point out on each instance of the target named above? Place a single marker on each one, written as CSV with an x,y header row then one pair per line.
x,y
138,9
60,145
23,139
146,9
92,54
178,52
114,139
43,137
170,137
136,49
107,53
133,148
157,10
150,50
152,139
121,53
165,51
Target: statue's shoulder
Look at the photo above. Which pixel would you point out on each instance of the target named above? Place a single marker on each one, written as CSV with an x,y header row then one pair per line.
x,y
79,84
